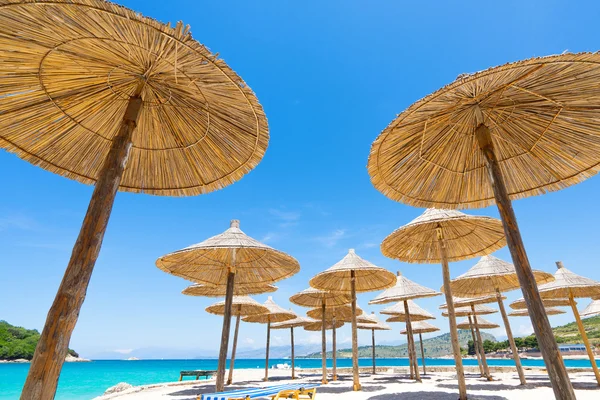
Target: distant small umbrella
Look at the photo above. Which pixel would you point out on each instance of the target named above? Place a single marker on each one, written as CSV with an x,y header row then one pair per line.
x,y
592,309
479,309
520,304
398,312
482,323
292,323
525,312
421,327
373,325
467,301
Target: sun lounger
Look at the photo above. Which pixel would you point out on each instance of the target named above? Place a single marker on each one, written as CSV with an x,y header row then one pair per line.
x,y
197,373
294,391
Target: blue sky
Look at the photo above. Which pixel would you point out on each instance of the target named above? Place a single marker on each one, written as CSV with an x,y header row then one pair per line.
x,y
330,76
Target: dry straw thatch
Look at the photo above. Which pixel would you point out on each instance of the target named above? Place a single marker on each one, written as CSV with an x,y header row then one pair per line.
x,y
482,323
544,123
69,68
274,314
525,312
592,309
241,305
208,262
480,309
342,313
421,327
205,290
491,274
460,301
292,323
404,289
466,236
520,304
567,284
318,325
398,313
312,297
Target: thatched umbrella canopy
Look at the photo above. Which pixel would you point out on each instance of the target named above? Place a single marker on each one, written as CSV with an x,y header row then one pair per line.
x,y
468,301
201,289
373,324
341,313
517,130
592,309
350,275
478,309
97,93
421,327
318,325
399,313
402,291
440,236
482,323
324,300
241,306
291,324
275,314
227,259
525,312
520,304
570,285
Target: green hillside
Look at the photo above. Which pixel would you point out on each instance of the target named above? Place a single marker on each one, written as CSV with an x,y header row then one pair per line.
x,y
434,347
569,333
19,343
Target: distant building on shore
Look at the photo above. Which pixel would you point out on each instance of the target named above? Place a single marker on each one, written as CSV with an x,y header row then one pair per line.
x,y
572,349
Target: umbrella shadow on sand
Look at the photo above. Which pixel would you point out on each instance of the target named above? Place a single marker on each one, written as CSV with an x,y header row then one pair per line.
x,y
430,396
346,389
499,386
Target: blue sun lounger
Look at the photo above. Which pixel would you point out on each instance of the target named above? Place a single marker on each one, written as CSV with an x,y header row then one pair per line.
x,y
296,391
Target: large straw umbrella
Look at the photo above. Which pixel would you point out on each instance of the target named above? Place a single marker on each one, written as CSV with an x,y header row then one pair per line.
x,y
571,285
525,312
291,324
442,236
242,306
352,275
275,314
520,304
322,299
405,290
227,259
591,310
421,327
373,325
517,130
199,289
97,93
493,275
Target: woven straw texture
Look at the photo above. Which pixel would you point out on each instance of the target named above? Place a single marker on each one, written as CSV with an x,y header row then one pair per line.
x,y
220,290
372,323
369,277
404,289
275,314
68,69
544,122
591,310
312,297
491,273
416,312
466,236
482,323
480,309
318,325
242,305
209,261
460,301
421,327
520,304
525,312
567,281
292,323
342,313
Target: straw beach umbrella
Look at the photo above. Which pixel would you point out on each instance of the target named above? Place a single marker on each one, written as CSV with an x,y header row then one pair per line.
x,y
374,325
592,309
421,327
491,274
292,323
517,130
441,236
324,300
227,259
97,93
199,289
241,306
520,304
352,275
525,312
405,290
399,313
570,285
482,323
275,314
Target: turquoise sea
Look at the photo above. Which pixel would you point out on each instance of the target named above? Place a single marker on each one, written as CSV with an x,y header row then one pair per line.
x,y
83,381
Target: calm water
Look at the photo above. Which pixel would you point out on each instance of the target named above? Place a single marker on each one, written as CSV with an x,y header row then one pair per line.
x,y
89,379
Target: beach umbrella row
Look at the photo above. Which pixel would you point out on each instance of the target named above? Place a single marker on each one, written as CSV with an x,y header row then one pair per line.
x,y
373,325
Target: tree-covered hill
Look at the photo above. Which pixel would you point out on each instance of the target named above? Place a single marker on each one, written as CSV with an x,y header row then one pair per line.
x,y
19,343
569,333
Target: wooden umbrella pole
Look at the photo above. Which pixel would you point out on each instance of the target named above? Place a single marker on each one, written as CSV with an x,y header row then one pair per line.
x,y
266,378
334,350
323,344
233,349
220,383
355,378
411,364
561,385
584,336
511,339
422,353
293,364
411,342
486,369
475,346
460,373
52,346
373,348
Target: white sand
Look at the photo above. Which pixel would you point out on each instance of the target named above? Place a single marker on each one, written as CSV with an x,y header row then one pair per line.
x,y
388,385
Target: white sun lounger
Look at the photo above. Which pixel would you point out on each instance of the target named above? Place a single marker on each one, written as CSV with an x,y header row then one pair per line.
x,y
290,391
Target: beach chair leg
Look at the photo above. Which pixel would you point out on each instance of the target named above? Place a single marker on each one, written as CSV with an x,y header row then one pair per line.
x,y
180,378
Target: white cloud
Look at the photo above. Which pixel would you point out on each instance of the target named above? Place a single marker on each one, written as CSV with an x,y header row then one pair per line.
x,y
270,237
123,351
17,221
332,238
287,216
248,340
524,330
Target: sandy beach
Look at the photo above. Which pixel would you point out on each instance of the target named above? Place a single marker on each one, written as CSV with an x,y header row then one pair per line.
x,y
389,384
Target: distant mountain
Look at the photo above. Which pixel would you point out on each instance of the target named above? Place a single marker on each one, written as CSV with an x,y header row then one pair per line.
x,y
278,351
434,347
